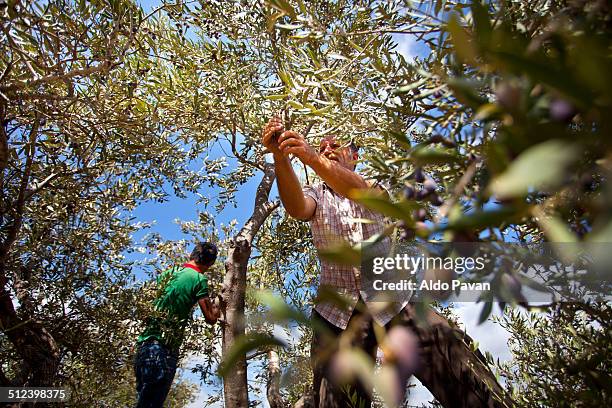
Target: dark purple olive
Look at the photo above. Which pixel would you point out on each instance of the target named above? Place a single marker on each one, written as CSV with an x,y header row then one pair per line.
x,y
419,176
436,201
429,185
436,139
465,242
401,359
508,96
561,110
420,214
409,192
421,195
401,348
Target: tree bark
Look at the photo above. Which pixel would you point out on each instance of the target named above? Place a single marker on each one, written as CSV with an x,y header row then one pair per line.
x,y
275,398
4,151
235,386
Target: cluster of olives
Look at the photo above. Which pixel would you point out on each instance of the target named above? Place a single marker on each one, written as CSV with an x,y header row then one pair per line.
x,y
424,189
427,191
510,96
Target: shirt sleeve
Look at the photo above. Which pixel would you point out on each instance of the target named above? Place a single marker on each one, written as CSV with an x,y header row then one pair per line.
x,y
202,287
312,191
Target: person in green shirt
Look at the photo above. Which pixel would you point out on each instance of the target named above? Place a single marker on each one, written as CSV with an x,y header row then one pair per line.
x,y
180,288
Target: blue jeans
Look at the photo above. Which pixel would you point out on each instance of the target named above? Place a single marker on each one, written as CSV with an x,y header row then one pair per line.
x,y
155,366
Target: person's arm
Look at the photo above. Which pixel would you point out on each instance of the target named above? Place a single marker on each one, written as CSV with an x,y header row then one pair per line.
x,y
339,178
210,310
289,188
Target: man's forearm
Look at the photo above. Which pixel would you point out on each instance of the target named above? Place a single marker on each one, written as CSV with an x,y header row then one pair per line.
x,y
289,187
339,178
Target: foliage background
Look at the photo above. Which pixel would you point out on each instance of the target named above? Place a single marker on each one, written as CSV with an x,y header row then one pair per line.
x,y
107,108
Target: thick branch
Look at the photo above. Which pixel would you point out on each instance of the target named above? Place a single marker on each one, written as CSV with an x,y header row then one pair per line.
x,y
234,288
275,398
263,208
39,186
21,197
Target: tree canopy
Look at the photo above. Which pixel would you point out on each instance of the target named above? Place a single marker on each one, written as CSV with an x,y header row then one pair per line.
x,y
497,131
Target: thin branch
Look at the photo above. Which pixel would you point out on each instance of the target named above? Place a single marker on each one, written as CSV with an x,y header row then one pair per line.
x,y
306,132
241,158
387,31
256,354
22,53
39,186
457,191
351,62
4,151
52,78
6,71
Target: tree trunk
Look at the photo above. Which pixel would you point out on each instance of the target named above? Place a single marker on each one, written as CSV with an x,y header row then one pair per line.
x,y
234,287
33,343
235,387
273,387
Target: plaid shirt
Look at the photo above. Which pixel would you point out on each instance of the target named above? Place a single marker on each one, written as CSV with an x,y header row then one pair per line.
x,y
336,219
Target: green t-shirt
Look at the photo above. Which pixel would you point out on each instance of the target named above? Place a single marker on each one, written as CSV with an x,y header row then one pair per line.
x,y
182,287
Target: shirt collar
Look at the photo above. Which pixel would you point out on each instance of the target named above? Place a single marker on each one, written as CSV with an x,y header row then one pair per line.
x,y
195,268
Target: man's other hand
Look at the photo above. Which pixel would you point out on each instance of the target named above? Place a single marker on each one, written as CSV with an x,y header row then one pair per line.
x,y
271,133
294,143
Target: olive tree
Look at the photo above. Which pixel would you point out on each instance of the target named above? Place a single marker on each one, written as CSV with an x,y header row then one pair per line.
x,y
89,118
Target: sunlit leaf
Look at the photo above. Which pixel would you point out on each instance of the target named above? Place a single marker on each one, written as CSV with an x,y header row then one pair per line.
x,y
542,166
433,155
277,97
378,202
284,6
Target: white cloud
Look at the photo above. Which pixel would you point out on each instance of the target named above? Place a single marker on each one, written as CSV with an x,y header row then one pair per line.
x,y
406,46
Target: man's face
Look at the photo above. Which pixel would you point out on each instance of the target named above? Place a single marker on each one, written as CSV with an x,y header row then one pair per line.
x,y
334,150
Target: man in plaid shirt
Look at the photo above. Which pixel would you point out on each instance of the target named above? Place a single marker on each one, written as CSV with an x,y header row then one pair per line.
x,y
455,376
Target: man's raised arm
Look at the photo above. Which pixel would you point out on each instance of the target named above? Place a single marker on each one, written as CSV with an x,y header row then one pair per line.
x,y
289,187
334,164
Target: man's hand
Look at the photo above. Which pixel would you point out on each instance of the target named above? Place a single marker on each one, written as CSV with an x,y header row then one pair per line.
x,y
294,143
210,310
271,133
